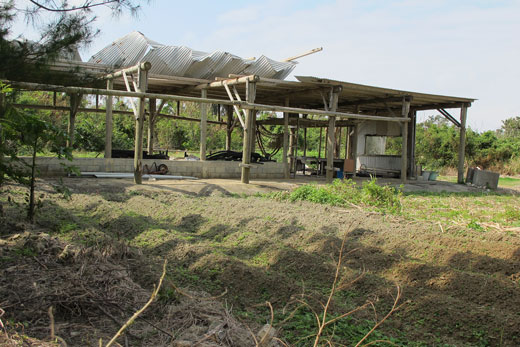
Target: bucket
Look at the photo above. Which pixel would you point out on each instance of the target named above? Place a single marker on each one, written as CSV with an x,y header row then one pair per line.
x,y
433,175
340,175
426,175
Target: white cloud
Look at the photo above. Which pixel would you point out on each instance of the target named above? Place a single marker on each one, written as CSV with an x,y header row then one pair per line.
x,y
436,47
464,48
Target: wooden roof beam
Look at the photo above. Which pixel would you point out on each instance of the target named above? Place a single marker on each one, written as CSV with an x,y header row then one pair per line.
x,y
437,106
229,82
371,101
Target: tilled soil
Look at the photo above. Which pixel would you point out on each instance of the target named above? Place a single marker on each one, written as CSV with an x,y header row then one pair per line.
x,y
459,288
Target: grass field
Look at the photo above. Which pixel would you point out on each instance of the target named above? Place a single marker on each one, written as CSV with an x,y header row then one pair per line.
x,y
456,258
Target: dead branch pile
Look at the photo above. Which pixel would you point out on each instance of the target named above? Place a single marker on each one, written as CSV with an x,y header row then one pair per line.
x,y
93,294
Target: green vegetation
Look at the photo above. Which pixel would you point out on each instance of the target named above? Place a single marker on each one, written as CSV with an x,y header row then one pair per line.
x,y
346,193
437,142
443,244
459,211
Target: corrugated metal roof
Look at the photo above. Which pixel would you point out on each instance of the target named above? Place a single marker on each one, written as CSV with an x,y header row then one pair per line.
x,y
268,68
185,62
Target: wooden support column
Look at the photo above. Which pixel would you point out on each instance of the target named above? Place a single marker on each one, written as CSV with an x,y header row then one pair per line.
x,y
355,133
229,126
109,123
337,146
2,115
248,133
292,145
203,124
75,101
253,132
348,146
152,116
404,130
462,144
319,145
331,142
142,85
286,141
411,144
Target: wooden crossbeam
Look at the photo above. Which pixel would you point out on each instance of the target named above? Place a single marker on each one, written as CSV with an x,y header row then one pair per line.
x,y
449,117
371,101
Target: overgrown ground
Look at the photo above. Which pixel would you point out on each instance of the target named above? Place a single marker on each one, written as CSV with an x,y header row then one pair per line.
x,y
456,258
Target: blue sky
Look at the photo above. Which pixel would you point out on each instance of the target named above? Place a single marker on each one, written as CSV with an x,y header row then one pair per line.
x,y
458,47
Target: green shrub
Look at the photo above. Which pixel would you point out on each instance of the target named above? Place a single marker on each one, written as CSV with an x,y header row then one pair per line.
x,y
346,193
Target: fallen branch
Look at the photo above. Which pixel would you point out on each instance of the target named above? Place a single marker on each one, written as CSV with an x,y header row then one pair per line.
x,y
392,310
148,303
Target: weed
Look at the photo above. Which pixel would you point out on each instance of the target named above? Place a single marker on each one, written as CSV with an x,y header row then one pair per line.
x,y
26,252
64,227
346,193
474,225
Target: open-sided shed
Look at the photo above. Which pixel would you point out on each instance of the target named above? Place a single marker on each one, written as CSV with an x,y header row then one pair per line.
x,y
245,87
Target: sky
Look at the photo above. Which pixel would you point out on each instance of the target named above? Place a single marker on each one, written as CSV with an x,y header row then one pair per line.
x,y
458,47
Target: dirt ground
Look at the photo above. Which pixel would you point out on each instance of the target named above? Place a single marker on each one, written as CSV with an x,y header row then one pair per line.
x,y
205,187
459,288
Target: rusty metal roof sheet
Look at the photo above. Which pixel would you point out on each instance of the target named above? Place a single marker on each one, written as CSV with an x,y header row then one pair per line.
x,y
185,62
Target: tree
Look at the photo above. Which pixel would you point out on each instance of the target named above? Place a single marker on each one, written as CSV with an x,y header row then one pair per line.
x,y
511,127
63,29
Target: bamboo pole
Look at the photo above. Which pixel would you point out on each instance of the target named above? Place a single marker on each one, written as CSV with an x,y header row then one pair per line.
x,y
75,101
203,125
246,150
253,132
109,122
319,146
229,82
151,123
462,144
242,104
100,110
331,142
139,123
229,126
144,66
286,141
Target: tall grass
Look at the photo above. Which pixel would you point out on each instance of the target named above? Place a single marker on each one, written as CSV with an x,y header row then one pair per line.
x,y
347,193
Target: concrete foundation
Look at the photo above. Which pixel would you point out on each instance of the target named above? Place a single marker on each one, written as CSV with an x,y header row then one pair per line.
x,y
49,167
483,178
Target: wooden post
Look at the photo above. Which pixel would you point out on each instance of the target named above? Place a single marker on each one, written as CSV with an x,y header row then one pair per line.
x,y
2,115
248,132
203,124
337,146
286,141
355,133
411,144
462,144
292,146
331,142
347,144
253,132
229,126
319,146
305,141
109,123
75,101
151,123
404,131
142,85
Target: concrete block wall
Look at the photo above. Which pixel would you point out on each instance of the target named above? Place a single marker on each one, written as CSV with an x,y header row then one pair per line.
x,y
199,169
